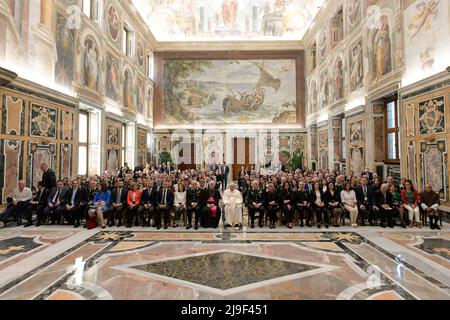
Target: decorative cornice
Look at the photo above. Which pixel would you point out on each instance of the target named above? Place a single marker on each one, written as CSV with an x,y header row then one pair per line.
x,y
6,76
228,46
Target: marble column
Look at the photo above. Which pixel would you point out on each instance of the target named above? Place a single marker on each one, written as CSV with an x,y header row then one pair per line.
x,y
45,45
313,145
336,138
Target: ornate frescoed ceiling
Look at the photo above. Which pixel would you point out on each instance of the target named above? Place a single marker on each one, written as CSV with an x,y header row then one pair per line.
x,y
228,20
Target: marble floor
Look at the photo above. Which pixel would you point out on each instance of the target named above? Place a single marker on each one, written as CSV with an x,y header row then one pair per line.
x,y
58,263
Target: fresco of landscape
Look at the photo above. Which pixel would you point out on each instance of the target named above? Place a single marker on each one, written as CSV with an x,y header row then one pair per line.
x,y
230,91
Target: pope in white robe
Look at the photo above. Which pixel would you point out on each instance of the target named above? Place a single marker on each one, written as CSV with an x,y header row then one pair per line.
x,y
232,200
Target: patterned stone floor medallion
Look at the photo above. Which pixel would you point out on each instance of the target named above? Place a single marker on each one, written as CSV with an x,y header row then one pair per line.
x,y
302,264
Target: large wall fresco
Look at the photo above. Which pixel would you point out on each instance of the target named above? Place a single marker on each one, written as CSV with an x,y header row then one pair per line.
x,y
65,44
230,91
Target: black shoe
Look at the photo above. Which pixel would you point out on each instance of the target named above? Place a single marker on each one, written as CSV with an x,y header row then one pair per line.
x,y
196,227
19,223
175,225
319,226
437,227
252,226
28,225
403,226
309,225
301,225
188,227
119,225
391,226
166,226
76,225
103,227
261,225
327,226
85,227
158,227
38,224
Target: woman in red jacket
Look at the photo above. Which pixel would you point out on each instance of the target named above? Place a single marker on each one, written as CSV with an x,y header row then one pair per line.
x,y
134,201
410,199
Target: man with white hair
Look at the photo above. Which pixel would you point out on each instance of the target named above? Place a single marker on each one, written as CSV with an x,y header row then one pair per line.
x,y
232,199
19,203
384,202
430,202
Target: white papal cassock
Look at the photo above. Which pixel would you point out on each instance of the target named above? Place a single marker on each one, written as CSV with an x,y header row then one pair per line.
x,y
232,201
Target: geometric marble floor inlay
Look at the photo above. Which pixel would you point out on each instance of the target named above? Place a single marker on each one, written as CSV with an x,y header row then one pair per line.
x,y
225,270
368,263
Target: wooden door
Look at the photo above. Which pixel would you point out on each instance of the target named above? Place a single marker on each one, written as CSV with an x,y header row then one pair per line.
x,y
190,163
243,154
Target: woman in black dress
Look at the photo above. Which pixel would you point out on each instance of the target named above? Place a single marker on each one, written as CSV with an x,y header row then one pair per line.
x,y
317,200
287,203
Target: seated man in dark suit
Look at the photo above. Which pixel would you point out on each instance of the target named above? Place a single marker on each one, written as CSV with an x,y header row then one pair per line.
x,y
254,202
364,196
147,207
38,204
74,201
211,211
119,204
89,194
193,204
385,205
430,202
164,203
56,203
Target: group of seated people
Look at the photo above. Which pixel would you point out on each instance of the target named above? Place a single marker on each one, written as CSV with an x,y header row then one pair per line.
x,y
149,198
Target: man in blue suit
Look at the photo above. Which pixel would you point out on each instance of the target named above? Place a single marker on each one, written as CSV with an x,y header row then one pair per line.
x,y
164,203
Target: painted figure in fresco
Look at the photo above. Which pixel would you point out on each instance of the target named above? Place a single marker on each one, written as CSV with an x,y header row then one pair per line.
x,y
91,68
113,83
382,49
427,56
324,94
64,48
422,20
354,12
140,97
113,23
229,12
356,68
314,96
150,102
140,53
128,91
338,81
322,44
